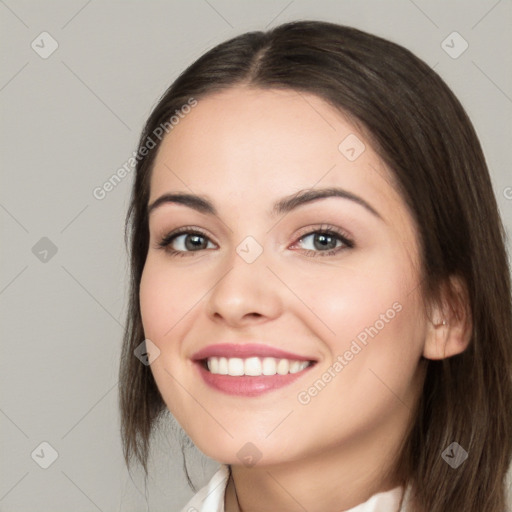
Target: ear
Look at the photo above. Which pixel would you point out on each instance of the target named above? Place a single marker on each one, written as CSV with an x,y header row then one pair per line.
x,y
450,325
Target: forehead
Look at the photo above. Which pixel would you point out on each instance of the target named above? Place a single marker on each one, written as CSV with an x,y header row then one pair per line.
x,y
255,144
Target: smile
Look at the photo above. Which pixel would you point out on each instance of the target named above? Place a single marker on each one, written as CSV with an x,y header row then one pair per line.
x,y
249,369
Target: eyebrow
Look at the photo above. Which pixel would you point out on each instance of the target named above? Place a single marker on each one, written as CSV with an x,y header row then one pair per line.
x,y
284,205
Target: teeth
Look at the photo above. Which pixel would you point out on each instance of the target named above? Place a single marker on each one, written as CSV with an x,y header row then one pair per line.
x,y
283,366
223,366
213,365
254,366
235,366
295,366
269,366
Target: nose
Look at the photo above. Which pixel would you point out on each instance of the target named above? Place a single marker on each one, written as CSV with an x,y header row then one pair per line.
x,y
245,294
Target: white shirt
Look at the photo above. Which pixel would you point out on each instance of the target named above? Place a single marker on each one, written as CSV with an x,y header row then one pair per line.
x,y
211,497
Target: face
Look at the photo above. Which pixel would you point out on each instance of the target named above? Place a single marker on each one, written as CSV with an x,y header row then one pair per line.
x,y
297,274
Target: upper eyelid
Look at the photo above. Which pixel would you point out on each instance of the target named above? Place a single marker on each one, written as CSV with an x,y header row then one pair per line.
x,y
190,230
325,228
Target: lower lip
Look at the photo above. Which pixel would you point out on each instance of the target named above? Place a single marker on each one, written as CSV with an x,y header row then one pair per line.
x,y
246,385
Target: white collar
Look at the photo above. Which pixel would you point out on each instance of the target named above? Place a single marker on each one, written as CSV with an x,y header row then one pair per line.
x,y
211,497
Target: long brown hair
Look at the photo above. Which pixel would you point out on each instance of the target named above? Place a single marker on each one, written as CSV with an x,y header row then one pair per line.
x,y
421,131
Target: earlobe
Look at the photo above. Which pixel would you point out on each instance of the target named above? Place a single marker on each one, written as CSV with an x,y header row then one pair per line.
x,y
450,325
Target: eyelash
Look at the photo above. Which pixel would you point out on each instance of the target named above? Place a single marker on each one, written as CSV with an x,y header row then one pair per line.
x,y
329,230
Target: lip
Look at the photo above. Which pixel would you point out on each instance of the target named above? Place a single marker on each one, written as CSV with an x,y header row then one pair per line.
x,y
246,385
245,351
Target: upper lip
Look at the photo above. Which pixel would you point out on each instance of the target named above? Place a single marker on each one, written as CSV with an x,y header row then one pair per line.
x,y
246,350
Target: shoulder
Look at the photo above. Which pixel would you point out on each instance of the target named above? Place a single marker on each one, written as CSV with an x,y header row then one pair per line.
x,y
210,498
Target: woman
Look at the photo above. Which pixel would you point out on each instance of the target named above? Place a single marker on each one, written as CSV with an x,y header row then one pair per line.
x,y
320,280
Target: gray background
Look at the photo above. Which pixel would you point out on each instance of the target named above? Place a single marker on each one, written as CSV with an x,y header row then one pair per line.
x,y
68,123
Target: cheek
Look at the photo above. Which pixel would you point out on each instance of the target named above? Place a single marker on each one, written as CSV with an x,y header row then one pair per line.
x,y
348,298
370,314
164,300
375,313
166,296
371,368
153,298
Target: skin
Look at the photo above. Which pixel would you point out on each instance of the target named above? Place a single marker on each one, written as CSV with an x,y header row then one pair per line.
x,y
245,149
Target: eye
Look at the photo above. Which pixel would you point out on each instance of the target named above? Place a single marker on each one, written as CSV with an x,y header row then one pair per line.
x,y
185,240
325,241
